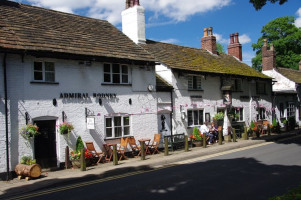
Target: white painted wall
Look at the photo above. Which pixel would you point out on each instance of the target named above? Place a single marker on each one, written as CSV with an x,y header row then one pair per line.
x,y
212,99
133,24
36,99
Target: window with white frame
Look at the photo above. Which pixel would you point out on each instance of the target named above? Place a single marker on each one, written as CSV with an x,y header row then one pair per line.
x,y
116,74
291,109
195,117
239,114
44,71
261,114
117,126
194,83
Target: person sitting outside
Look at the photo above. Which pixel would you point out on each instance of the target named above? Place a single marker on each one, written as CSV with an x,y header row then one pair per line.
x,y
213,130
205,130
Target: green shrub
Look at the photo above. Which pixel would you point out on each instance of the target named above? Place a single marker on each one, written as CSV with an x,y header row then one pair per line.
x,y
79,144
27,160
291,195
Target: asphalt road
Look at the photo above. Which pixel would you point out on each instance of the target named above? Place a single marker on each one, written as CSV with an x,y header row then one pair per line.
x,y
257,173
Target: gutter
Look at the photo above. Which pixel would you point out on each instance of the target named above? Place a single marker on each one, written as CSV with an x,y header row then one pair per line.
x,y
6,116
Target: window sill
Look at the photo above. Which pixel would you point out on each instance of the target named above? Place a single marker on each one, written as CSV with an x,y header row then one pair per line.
x,y
192,90
116,84
43,82
116,138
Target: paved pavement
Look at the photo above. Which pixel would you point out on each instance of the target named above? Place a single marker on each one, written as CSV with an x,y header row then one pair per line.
x,y
71,176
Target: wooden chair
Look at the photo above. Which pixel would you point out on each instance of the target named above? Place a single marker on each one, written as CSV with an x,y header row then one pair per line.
x,y
91,148
154,146
122,148
109,153
135,148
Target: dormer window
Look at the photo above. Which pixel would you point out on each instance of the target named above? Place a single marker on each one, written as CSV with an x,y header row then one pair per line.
x,y
116,74
44,72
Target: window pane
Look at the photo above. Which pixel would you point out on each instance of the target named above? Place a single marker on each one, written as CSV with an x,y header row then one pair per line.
x,y
124,69
190,82
49,66
195,117
108,122
189,117
38,66
118,131
126,121
125,79
195,83
116,68
49,76
241,114
116,78
107,68
126,130
201,118
117,121
38,76
107,78
109,132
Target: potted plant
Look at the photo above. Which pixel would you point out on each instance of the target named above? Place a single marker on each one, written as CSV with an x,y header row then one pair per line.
x,y
28,168
75,155
219,117
29,131
196,137
65,128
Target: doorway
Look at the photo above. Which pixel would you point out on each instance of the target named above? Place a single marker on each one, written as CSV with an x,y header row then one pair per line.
x,y
45,144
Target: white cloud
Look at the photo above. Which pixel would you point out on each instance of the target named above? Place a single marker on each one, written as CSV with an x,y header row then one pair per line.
x,y
244,39
170,41
111,9
221,39
298,19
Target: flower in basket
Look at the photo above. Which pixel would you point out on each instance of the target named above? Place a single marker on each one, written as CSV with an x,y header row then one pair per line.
x,y
74,155
29,131
65,128
88,154
196,135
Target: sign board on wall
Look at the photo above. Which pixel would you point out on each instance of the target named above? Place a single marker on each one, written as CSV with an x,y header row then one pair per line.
x,y
90,123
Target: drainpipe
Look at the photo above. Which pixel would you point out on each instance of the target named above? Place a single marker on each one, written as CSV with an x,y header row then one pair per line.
x,y
6,116
171,114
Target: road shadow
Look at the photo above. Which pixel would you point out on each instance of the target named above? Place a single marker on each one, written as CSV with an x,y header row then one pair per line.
x,y
240,178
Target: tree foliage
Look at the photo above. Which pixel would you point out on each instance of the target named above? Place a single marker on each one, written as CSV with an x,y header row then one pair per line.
x,y
286,38
258,4
220,48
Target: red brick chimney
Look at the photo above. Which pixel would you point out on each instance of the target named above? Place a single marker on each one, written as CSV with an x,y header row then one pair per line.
x,y
131,3
235,48
208,42
268,57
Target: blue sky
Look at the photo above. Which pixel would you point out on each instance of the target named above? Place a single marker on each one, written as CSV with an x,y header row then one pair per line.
x,y
182,21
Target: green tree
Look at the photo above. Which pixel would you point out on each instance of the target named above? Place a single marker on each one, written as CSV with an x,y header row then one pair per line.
x,y
258,4
286,38
220,48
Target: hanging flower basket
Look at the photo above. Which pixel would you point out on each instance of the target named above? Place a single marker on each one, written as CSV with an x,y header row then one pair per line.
x,y
29,131
65,128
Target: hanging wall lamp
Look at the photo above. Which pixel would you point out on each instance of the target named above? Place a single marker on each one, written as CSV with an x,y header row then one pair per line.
x,y
100,101
130,101
54,102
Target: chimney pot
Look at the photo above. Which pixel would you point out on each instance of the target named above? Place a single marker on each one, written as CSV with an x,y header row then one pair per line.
x,y
205,32
265,42
210,29
231,38
236,37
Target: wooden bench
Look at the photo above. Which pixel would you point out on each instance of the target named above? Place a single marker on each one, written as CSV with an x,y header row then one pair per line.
x,y
176,141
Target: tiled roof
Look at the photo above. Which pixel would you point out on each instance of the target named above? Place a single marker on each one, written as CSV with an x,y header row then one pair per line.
x,y
292,74
198,60
28,28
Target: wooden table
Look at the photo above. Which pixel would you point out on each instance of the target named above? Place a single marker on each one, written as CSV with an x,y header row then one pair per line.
x,y
146,142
